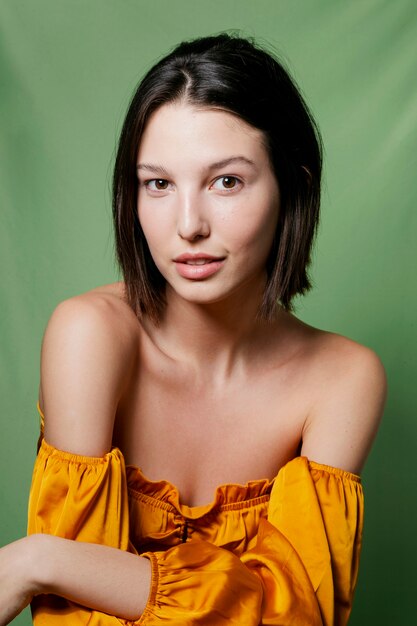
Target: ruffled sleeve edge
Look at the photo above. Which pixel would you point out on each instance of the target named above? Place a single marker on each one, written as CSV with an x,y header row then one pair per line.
x,y
150,604
337,471
48,450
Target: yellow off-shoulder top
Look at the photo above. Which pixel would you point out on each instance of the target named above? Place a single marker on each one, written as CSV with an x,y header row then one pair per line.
x,y
278,552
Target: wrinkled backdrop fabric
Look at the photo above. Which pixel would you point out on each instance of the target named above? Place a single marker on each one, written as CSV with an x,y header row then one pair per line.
x,y
67,70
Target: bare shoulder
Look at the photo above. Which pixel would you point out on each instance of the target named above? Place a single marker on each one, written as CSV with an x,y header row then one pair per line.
x,y
106,303
349,389
337,354
88,350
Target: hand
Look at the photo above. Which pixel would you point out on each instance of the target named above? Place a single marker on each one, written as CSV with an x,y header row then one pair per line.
x,y
17,579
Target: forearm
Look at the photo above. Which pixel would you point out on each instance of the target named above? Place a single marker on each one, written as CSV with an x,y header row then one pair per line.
x,y
99,577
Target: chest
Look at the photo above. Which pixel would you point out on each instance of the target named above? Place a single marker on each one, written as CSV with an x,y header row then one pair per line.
x,y
186,430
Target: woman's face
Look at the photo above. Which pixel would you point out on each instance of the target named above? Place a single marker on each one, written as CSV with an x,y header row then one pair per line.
x,y
208,201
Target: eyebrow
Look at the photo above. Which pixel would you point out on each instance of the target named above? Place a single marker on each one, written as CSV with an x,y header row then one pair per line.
x,y
152,168
213,166
233,159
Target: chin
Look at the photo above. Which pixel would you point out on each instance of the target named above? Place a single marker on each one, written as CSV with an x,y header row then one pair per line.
x,y
200,295
203,293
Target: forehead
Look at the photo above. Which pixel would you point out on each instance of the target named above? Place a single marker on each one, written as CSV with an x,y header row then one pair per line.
x,y
200,132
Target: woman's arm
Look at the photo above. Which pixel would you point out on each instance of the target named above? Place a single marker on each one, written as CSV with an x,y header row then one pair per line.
x,y
351,392
95,576
88,352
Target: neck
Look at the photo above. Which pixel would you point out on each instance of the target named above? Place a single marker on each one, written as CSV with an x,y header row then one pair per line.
x,y
218,336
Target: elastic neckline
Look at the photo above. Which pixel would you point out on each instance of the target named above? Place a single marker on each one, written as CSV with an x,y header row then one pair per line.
x,y
227,496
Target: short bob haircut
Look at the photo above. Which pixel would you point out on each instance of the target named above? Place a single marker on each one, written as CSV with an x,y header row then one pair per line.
x,y
233,74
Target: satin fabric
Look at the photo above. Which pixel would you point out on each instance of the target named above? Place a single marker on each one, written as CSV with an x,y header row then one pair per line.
x,y
282,552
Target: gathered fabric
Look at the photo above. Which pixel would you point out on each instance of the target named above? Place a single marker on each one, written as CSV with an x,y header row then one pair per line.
x,y
281,552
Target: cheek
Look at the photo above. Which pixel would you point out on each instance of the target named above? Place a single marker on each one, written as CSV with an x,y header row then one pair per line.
x,y
149,230
155,236
153,225
250,229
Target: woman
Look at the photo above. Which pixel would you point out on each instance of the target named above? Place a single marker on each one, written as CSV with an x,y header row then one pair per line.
x,y
202,446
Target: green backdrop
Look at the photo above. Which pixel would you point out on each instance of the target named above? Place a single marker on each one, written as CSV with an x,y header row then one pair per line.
x,y
67,72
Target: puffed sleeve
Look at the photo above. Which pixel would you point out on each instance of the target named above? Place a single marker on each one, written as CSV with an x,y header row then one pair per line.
x,y
199,583
80,498
308,549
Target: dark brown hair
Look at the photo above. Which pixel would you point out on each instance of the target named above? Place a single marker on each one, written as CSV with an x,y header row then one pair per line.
x,y
236,75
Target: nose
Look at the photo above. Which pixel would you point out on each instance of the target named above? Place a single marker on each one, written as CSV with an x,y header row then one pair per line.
x,y
192,220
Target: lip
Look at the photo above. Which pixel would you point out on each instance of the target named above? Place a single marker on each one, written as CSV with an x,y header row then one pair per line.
x,y
195,256
198,272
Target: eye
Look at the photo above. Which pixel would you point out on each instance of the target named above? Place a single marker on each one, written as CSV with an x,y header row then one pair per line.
x,y
227,183
156,184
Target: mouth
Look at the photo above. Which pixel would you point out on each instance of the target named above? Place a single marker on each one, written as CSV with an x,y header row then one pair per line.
x,y
197,259
198,266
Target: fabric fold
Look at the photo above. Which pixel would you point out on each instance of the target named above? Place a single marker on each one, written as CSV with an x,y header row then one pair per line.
x,y
199,583
288,596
